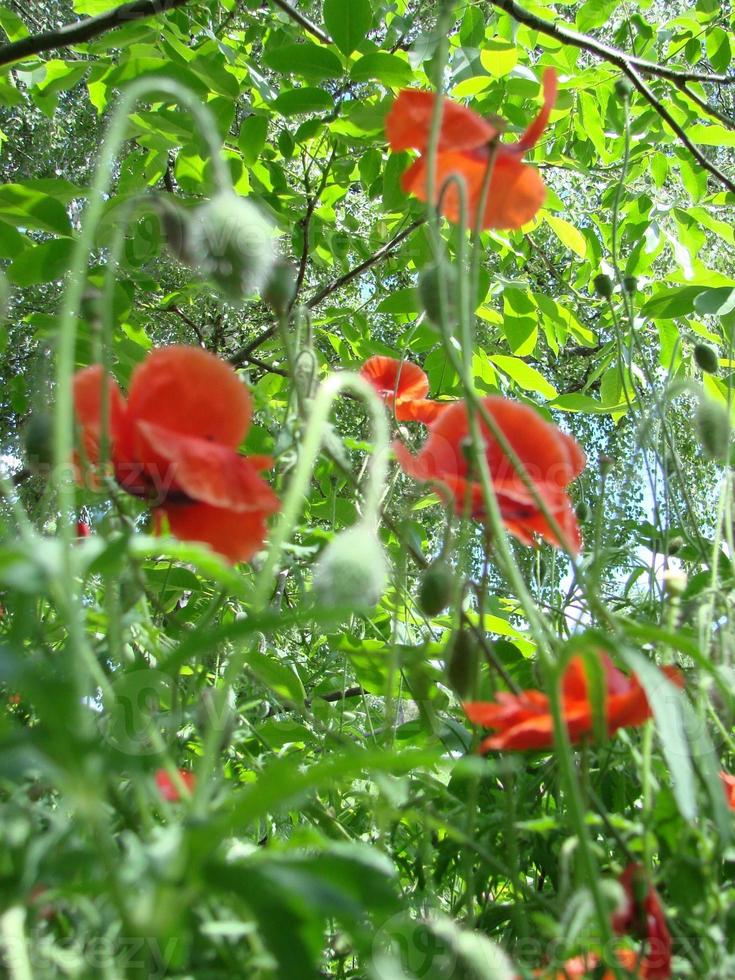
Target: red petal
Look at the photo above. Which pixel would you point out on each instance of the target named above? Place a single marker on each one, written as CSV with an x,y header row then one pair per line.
x,y
207,472
235,535
87,390
392,378
420,410
532,135
408,124
192,392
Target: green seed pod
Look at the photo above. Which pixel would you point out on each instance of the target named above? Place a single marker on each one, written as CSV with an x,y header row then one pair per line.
x,y
435,589
630,284
462,658
712,423
430,280
280,289
706,358
352,571
232,245
603,286
38,441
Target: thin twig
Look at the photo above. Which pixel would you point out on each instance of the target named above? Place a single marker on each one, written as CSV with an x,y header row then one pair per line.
x,y
311,203
304,21
704,105
85,30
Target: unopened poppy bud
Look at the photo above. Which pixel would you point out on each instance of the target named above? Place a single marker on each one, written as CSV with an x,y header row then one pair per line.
x,y
606,463
674,582
630,284
712,422
706,358
232,245
91,305
38,441
352,571
176,228
675,545
432,280
280,289
435,590
462,658
582,511
603,286
623,88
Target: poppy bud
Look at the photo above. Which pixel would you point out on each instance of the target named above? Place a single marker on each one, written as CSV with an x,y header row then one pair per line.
x,y
90,307
674,582
583,511
603,286
176,228
623,88
38,441
435,590
712,422
352,571
706,358
280,289
630,284
462,658
430,293
675,545
232,244
606,463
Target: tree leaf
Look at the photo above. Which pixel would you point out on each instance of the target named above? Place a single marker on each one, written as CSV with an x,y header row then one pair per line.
x,y
348,22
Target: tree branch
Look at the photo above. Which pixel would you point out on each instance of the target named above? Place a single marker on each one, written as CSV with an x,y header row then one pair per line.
x,y
295,15
382,253
605,51
85,30
312,201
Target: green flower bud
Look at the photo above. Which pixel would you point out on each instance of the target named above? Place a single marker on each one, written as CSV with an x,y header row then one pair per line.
x,y
583,511
630,284
232,245
280,289
352,571
675,545
435,589
176,229
675,582
603,286
462,658
623,88
430,279
712,423
38,440
706,358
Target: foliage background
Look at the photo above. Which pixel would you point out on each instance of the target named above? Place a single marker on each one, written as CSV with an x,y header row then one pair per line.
x,y
346,828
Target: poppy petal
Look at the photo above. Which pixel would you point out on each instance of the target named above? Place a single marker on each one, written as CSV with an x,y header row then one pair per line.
x,y
516,193
392,378
533,134
408,124
235,535
420,410
192,392
87,393
207,472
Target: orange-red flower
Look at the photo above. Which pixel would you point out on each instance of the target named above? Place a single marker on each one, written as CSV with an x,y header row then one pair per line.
x,y
403,386
523,721
728,783
173,443
168,789
516,189
586,967
551,458
642,916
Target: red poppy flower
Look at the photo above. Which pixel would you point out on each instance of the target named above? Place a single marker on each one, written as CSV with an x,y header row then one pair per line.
x,y
516,190
642,916
173,443
728,783
83,529
551,458
523,721
168,789
582,967
403,386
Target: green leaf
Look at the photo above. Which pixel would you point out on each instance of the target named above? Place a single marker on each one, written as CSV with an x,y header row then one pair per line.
x,y
671,301
13,26
718,48
567,234
297,101
595,13
24,207
253,134
46,262
348,22
526,377
314,62
389,69
498,57
715,302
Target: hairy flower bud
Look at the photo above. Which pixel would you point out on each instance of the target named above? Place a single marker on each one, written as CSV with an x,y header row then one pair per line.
x,y
462,658
38,441
430,293
352,571
712,422
630,284
603,286
435,589
280,289
674,582
231,244
706,358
